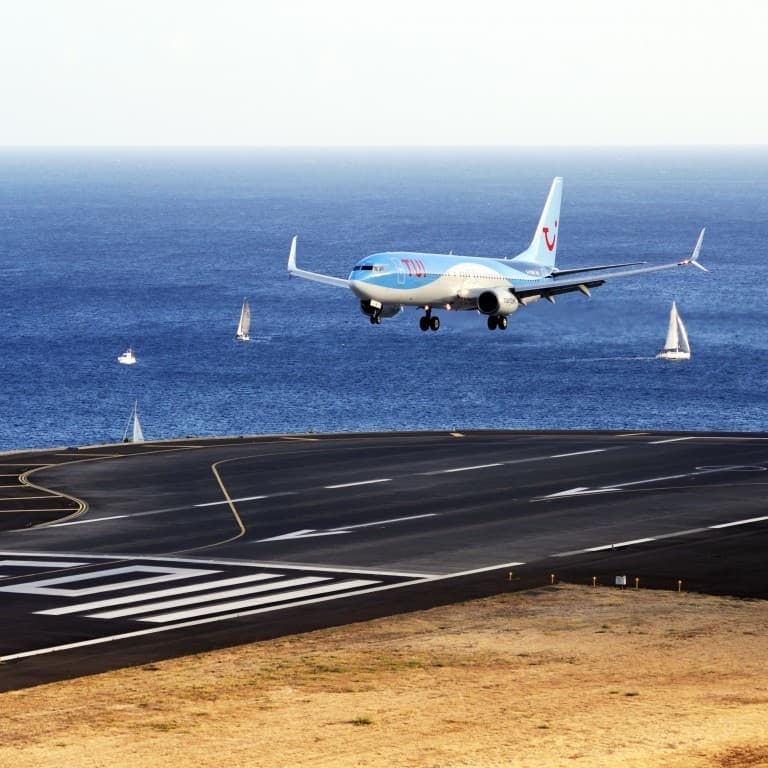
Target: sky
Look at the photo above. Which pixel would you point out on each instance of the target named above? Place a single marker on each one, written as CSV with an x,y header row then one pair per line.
x,y
400,73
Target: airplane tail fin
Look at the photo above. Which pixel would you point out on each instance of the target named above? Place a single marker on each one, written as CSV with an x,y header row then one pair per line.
x,y
543,247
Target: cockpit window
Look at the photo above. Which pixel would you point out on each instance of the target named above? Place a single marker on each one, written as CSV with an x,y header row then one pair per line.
x,y
362,267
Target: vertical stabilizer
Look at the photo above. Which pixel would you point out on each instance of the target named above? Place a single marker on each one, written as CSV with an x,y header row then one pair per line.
x,y
543,247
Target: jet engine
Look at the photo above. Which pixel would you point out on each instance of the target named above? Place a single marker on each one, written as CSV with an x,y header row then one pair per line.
x,y
369,308
497,301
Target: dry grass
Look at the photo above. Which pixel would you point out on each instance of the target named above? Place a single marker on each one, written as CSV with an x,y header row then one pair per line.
x,y
565,676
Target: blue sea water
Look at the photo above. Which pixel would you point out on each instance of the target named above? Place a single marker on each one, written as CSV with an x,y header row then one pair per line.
x,y
102,249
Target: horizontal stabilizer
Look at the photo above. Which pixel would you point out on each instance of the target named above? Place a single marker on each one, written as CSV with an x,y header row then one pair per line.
x,y
695,255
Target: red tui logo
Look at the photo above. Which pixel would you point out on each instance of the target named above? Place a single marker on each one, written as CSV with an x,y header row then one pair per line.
x,y
545,230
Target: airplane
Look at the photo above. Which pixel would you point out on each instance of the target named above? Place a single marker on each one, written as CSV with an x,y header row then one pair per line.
x,y
495,287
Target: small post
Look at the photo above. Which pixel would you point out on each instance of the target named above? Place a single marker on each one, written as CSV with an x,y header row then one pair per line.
x,y
679,585
637,582
551,578
511,575
594,581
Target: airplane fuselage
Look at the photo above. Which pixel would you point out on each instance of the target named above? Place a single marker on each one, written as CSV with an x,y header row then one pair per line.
x,y
431,279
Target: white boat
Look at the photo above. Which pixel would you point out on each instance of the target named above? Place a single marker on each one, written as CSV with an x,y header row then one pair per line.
x,y
127,358
676,347
133,426
244,326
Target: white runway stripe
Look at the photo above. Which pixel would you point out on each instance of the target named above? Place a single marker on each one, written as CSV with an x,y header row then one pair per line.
x,y
157,594
105,579
361,482
42,563
740,522
577,453
206,598
281,597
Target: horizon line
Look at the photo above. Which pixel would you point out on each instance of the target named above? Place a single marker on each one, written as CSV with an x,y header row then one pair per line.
x,y
368,147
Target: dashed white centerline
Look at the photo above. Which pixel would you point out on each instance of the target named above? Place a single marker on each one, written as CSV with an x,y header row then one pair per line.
x,y
671,440
740,522
577,453
231,501
462,469
360,482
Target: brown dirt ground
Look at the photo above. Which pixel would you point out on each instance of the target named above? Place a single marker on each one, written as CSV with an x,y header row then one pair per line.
x,y
561,676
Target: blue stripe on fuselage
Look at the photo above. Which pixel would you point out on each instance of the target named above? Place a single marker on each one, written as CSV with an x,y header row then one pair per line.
x,y
408,271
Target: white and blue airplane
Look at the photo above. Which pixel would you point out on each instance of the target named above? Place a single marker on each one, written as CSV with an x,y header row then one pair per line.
x,y
387,282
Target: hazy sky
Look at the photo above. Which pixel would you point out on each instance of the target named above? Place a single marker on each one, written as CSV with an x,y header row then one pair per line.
x,y
401,72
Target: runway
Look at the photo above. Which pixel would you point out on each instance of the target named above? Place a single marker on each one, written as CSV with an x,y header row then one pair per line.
x,y
115,555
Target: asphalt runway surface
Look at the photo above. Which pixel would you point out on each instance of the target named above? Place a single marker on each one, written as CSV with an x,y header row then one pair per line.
x,y
125,554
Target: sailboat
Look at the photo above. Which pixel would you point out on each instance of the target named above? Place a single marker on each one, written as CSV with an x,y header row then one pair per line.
x,y
127,358
676,346
137,436
244,326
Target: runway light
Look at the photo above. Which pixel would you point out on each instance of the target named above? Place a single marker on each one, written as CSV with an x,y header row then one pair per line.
x,y
594,581
637,582
551,578
511,575
679,585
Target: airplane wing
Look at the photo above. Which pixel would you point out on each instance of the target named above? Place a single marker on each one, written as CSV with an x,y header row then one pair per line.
x,y
294,271
557,284
561,272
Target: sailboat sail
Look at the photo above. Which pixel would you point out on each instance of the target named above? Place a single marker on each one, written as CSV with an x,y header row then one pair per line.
x,y
137,436
684,345
672,336
244,326
676,346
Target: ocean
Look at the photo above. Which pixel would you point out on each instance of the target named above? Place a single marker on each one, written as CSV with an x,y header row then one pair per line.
x,y
156,249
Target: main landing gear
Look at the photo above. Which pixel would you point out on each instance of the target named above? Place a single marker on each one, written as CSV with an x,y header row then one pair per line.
x,y
497,321
428,321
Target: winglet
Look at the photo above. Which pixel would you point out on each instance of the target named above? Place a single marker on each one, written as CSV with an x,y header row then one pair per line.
x,y
294,271
695,255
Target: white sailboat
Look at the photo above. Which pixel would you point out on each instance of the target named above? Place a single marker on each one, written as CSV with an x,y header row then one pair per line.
x,y
133,426
244,326
127,358
676,347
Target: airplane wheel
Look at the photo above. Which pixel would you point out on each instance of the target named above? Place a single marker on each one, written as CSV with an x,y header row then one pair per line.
x,y
434,323
502,323
424,323
493,321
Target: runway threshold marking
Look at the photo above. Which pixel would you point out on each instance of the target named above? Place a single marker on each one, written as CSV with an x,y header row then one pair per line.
x,y
332,589
199,597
